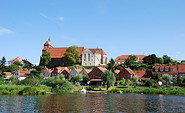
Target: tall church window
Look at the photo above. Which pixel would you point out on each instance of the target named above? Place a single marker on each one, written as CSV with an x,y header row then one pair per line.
x,y
84,57
88,57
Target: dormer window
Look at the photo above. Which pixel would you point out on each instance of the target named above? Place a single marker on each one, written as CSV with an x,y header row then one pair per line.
x,y
172,69
161,69
166,70
156,70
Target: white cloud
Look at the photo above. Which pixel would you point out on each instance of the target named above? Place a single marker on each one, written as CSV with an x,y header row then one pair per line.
x,y
48,17
60,18
4,31
45,16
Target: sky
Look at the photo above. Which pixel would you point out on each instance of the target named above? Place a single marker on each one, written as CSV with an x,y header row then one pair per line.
x,y
119,27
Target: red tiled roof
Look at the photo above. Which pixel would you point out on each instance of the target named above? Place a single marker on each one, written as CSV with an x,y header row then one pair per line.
x,y
59,52
102,69
117,71
7,73
78,70
98,50
124,57
48,70
95,80
181,68
88,70
16,59
130,71
143,73
169,67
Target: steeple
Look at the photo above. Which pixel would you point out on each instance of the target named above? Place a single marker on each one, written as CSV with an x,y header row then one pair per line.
x,y
47,45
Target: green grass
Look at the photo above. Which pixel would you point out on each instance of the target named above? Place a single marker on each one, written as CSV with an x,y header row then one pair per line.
x,y
23,90
150,90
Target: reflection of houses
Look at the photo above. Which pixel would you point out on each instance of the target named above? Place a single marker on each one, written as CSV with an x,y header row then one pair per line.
x,y
17,59
181,70
61,70
126,73
20,75
168,69
74,72
121,59
94,57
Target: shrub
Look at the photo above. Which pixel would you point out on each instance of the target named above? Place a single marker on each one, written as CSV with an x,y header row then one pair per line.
x,y
30,82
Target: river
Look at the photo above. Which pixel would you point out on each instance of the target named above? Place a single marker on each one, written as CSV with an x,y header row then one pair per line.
x,y
92,103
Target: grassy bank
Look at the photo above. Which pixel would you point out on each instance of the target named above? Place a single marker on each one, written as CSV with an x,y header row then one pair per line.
x,y
150,90
23,90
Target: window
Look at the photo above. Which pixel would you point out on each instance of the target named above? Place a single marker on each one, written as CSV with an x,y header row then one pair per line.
x,y
128,75
166,70
84,57
85,64
88,57
161,69
172,69
156,70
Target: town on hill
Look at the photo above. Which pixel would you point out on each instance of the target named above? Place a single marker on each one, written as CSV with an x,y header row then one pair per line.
x,y
90,67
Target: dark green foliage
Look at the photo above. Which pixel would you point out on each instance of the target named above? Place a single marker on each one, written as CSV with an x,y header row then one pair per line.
x,y
109,78
12,67
72,56
150,59
77,78
17,63
156,77
45,58
85,79
59,85
30,82
131,60
167,78
111,65
167,59
122,82
149,83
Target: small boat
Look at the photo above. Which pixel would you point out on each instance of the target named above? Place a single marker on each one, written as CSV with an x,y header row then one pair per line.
x,y
83,91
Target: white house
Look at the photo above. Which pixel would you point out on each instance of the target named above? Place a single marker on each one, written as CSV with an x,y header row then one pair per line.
x,y
74,72
20,75
94,57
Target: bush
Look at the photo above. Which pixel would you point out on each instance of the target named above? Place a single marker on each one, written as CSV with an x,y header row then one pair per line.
x,y
29,82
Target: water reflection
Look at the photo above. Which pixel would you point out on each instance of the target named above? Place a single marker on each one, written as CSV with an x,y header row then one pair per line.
x,y
92,103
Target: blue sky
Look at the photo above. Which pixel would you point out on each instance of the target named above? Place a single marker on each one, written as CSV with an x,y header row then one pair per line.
x,y
120,27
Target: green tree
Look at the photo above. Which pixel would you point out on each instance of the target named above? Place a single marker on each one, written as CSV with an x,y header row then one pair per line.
x,y
167,59
167,78
45,58
131,60
156,77
150,59
85,79
122,82
77,78
109,78
111,65
160,60
13,67
17,63
30,82
2,65
72,56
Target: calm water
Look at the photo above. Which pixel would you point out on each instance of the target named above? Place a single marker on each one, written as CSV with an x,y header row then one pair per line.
x,y
90,103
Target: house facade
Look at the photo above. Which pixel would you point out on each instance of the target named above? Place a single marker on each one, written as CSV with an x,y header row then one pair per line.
x,y
94,57
61,70
125,73
181,70
20,75
47,73
121,59
167,69
74,72
97,72
85,71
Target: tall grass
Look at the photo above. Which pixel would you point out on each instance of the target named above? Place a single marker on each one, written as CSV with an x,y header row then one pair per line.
x,y
23,90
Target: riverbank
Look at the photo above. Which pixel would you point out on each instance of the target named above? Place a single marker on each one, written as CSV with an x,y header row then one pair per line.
x,y
180,91
23,90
